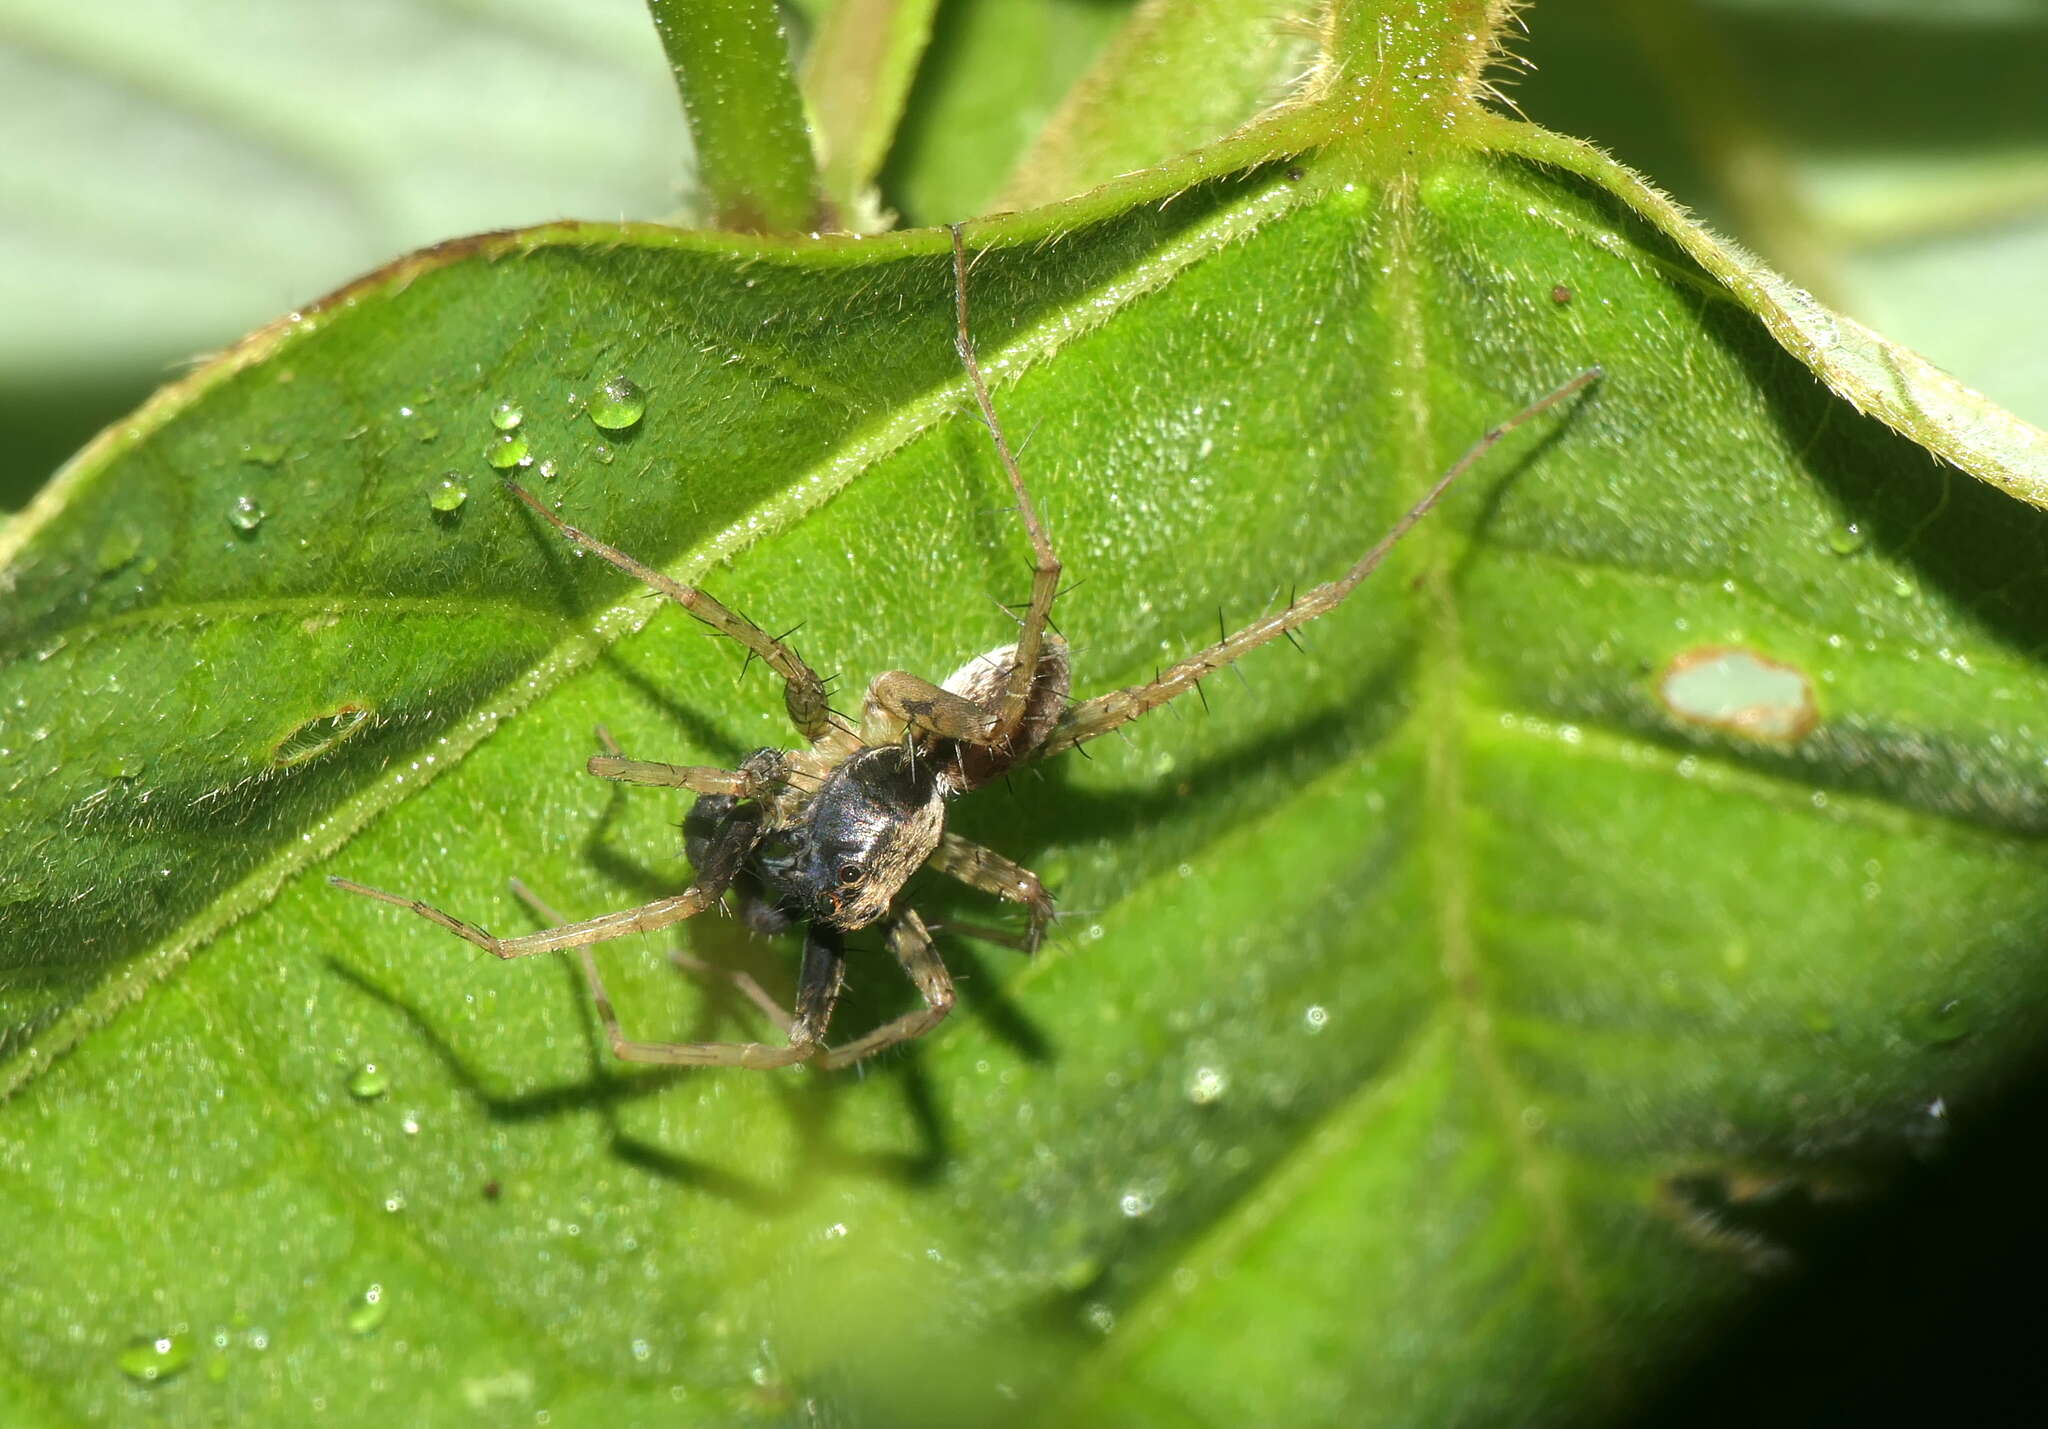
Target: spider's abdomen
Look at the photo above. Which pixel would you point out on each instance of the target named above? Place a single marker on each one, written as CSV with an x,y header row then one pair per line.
x,y
982,680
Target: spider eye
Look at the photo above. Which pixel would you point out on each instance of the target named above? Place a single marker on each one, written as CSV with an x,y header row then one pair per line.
x,y
850,874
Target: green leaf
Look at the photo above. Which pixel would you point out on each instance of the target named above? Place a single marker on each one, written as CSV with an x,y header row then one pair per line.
x,y
1178,75
1661,823
993,76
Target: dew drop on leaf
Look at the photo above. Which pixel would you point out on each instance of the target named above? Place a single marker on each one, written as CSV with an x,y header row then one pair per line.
x,y
369,1311
152,1361
449,493
117,548
369,1082
508,451
1942,1022
1206,1085
1847,540
507,415
618,404
245,514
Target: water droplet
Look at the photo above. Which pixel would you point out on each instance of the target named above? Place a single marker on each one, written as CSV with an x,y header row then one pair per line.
x,y
1100,1318
508,451
641,1350
369,1311
120,766
1135,1202
1847,540
117,548
1316,1018
1078,1274
448,493
245,514
1206,1085
618,404
1942,1021
155,1360
369,1082
507,415
603,453
263,453
547,469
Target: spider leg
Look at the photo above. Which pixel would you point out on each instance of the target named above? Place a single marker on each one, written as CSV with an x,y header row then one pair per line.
x,y
1104,713
819,981
899,699
740,978
704,780
912,944
817,990
737,834
986,870
1011,707
803,693
691,1054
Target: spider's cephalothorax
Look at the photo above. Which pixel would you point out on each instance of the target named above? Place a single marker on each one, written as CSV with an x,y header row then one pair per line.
x,y
827,835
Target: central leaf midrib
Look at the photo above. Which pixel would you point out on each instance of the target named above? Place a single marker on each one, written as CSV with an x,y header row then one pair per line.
x,y
1440,686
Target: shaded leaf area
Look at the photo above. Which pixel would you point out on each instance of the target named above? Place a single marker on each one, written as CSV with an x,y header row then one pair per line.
x,y
1427,1012
270,615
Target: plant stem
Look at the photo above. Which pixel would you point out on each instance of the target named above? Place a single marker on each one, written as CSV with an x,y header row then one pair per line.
x,y
857,78
731,62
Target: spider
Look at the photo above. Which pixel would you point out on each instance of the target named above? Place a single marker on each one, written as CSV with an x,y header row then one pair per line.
x,y
827,835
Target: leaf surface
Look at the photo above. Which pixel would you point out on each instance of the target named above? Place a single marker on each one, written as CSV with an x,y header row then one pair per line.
x,y
1660,826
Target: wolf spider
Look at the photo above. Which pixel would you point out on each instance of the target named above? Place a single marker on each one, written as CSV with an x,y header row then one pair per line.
x,y
827,835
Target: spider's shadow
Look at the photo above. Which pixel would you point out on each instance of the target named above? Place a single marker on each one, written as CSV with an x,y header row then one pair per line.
x,y
808,1099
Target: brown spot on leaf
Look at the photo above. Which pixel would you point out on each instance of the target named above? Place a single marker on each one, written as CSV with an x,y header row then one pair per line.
x,y
1560,295
1741,691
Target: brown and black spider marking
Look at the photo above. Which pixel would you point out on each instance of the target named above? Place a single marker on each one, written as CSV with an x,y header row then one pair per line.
x,y
827,835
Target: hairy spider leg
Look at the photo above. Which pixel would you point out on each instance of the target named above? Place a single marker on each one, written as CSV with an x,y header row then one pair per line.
x,y
987,871
899,701
1092,718
803,693
1045,571
672,1054
911,942
701,778
738,836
